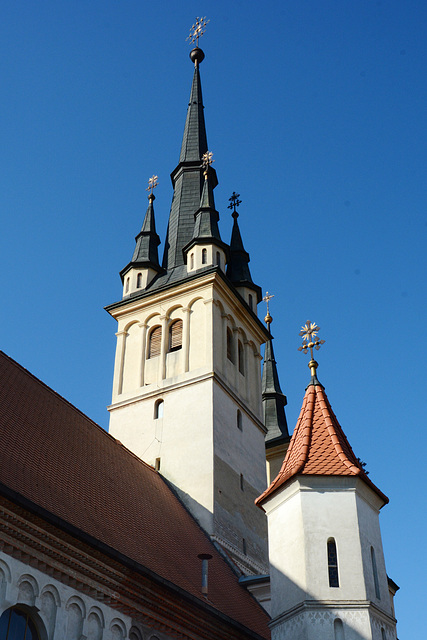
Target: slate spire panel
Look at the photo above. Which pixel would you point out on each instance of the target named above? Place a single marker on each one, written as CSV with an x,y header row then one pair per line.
x,y
187,179
273,400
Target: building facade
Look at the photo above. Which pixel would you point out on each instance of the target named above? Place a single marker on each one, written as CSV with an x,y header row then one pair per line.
x,y
152,531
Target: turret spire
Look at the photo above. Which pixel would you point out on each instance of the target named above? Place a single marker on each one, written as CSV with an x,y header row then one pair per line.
x,y
145,254
273,400
238,265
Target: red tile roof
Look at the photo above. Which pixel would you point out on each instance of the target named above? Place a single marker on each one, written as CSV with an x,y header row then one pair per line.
x,y
56,457
318,446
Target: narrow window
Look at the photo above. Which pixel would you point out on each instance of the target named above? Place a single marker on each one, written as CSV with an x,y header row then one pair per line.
x,y
157,464
239,420
192,261
139,280
154,342
127,284
230,344
375,572
158,409
332,563
338,629
175,335
204,256
242,485
240,357
383,635
251,302
218,258
244,546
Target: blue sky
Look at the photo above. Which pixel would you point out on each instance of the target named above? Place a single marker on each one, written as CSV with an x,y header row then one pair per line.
x,y
315,113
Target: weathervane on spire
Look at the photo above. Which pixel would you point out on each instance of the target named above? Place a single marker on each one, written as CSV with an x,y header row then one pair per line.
x,y
235,202
207,159
309,332
197,30
152,184
268,319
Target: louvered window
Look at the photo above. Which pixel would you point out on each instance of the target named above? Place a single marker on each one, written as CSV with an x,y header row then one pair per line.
x,y
333,563
175,335
154,342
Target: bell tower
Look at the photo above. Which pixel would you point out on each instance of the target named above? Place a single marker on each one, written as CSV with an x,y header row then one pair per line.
x,y
187,385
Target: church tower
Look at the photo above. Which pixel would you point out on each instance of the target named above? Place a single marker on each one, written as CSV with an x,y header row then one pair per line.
x,y
187,385
327,569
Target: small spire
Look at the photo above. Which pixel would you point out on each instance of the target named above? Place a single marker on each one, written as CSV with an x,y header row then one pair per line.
x,y
273,400
238,270
309,332
145,254
206,217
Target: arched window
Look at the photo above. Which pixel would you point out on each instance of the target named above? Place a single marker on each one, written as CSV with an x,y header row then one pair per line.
x,y
218,258
230,354
241,358
204,256
139,280
251,301
127,284
175,335
158,409
242,482
154,342
192,261
16,624
383,635
338,629
239,420
333,563
375,573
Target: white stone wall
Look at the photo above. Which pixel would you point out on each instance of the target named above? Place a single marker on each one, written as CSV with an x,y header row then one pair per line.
x,y
197,443
61,613
301,519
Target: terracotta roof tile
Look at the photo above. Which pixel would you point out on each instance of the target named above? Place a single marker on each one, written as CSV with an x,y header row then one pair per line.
x,y
56,457
318,446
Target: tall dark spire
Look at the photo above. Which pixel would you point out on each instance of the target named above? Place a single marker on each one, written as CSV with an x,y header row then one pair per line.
x,y
273,400
187,179
147,241
238,264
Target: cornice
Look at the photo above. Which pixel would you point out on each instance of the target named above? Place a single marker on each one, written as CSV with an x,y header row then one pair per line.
x,y
29,538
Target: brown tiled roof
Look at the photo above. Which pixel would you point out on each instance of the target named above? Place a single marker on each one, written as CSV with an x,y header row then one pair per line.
x,y
54,456
318,446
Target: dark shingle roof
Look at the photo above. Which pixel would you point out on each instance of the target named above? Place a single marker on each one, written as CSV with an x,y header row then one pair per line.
x,y
54,456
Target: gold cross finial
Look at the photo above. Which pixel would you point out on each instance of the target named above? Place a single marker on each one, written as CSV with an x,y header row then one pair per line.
x,y
309,340
197,30
207,159
268,319
152,184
